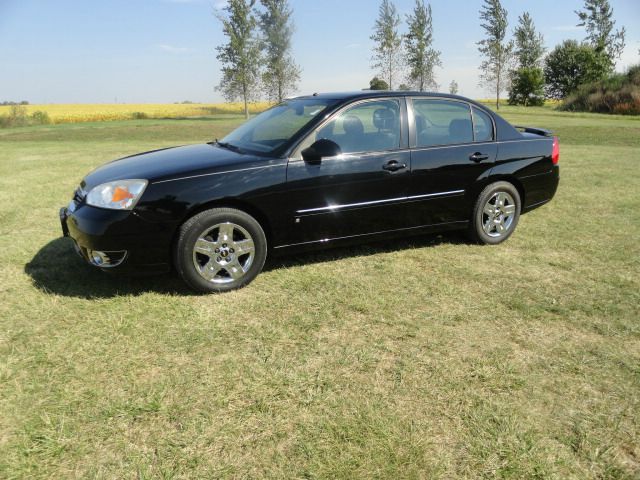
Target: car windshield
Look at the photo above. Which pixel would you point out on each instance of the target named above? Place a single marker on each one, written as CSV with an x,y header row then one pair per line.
x,y
271,129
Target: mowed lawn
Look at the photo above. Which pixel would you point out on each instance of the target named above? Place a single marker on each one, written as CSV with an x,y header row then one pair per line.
x,y
424,358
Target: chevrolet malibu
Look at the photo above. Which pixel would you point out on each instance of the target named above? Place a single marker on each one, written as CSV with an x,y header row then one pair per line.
x,y
314,171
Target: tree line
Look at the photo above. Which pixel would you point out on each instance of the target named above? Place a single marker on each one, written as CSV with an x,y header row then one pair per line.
x,y
257,57
519,65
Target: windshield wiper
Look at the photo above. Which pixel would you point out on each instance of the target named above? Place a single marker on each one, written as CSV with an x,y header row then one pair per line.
x,y
229,146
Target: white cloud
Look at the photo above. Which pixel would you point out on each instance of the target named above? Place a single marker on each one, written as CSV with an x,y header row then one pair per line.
x,y
173,49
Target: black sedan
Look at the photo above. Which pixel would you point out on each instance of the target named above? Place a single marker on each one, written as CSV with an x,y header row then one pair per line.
x,y
314,171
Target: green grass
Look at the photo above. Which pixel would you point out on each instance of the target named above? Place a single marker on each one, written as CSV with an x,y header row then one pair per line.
x,y
428,359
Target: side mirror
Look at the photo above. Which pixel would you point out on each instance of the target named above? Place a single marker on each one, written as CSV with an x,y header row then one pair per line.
x,y
322,148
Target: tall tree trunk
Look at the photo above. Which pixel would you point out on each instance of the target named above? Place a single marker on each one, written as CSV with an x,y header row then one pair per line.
x,y
498,91
246,103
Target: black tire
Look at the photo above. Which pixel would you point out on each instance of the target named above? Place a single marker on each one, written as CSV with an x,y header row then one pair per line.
x,y
221,268
505,218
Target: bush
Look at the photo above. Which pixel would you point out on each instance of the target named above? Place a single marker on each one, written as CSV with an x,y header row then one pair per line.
x,y
39,118
378,84
527,87
139,116
619,93
17,117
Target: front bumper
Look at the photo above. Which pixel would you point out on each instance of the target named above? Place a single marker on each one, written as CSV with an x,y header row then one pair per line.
x,y
117,241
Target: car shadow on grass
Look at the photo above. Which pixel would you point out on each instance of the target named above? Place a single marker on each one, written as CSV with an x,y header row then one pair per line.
x,y
365,250
57,269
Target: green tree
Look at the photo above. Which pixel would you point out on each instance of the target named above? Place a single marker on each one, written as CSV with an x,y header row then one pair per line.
x,y
597,18
453,87
497,52
527,81
570,65
420,56
377,83
387,57
529,44
282,74
240,56
527,87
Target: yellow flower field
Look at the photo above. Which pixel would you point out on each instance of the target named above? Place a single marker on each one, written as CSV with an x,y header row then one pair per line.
x,y
76,113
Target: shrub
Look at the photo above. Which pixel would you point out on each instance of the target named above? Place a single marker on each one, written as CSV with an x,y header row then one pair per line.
x,y
527,87
39,118
17,117
378,84
139,116
619,93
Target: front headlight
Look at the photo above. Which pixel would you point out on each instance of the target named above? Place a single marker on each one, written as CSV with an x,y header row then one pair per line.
x,y
118,195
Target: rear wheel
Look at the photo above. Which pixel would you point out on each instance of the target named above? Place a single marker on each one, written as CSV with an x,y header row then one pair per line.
x,y
496,213
219,250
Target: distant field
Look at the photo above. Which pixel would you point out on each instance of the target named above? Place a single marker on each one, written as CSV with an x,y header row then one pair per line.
x,y
104,112
77,113
421,358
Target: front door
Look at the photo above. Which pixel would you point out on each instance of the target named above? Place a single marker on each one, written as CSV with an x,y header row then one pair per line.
x,y
363,190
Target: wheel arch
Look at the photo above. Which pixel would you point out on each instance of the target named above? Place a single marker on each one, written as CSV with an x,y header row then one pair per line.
x,y
512,179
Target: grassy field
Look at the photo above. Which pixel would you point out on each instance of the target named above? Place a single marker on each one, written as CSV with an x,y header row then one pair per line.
x,y
439,359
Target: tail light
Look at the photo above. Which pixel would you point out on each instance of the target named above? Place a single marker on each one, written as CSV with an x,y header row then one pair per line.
x,y
555,154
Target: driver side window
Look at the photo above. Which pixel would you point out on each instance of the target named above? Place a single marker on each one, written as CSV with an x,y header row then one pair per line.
x,y
367,127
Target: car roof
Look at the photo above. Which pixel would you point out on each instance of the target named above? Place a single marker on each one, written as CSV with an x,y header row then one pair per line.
x,y
364,94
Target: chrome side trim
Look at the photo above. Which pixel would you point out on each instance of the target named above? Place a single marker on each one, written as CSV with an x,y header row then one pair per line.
x,y
326,240
427,195
376,202
347,205
221,173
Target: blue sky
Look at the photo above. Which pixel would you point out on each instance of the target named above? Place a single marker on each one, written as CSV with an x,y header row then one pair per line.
x,y
136,51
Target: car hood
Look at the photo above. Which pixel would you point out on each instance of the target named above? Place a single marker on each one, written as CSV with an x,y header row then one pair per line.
x,y
166,164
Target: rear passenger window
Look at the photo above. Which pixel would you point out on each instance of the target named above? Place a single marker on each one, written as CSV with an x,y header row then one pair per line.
x,y
442,122
367,127
482,126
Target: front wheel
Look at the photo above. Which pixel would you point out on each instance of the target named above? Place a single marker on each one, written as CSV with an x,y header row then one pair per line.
x,y
219,250
496,213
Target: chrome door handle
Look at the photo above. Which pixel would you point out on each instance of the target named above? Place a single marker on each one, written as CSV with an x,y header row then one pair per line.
x,y
394,166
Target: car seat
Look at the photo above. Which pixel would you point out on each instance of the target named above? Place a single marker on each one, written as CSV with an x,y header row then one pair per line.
x,y
354,139
386,121
460,131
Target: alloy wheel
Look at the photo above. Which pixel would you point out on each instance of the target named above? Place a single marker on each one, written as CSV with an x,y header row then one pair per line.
x,y
498,214
223,253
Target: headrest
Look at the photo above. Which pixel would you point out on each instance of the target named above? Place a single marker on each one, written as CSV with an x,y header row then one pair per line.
x,y
352,125
421,123
384,119
460,130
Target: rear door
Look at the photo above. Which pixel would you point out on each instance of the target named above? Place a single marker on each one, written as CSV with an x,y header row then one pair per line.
x,y
361,191
453,145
